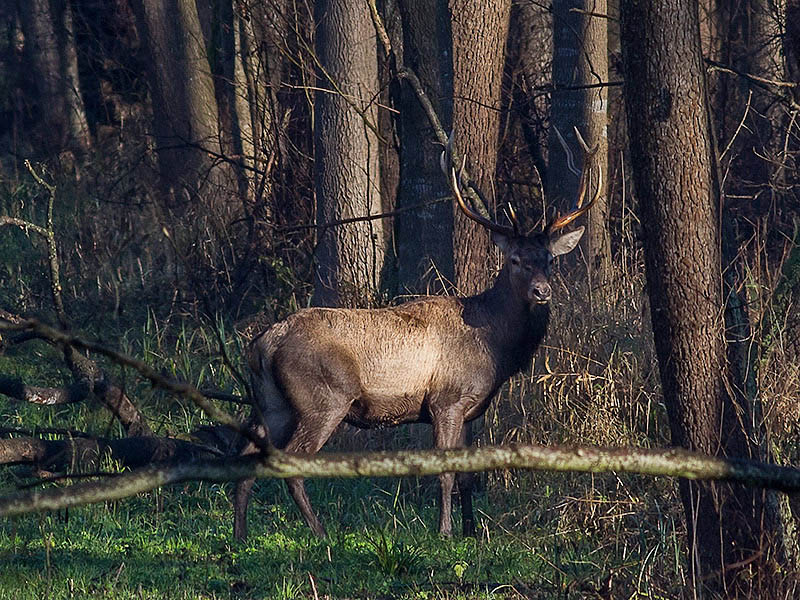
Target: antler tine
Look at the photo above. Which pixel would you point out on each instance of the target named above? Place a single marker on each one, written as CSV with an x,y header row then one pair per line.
x,y
445,162
578,208
512,216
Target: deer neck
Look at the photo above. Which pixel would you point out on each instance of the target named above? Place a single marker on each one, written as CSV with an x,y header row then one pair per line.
x,y
511,326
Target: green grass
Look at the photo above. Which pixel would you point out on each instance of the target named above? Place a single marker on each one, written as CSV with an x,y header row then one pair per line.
x,y
176,543
542,535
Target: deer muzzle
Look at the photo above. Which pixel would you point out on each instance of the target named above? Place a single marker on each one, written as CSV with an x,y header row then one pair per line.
x,y
539,292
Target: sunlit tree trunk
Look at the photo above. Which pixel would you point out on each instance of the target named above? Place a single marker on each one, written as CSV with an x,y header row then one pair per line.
x,y
349,257
479,32
580,99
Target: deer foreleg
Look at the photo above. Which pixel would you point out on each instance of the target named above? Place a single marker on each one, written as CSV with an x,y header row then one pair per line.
x,y
448,425
466,482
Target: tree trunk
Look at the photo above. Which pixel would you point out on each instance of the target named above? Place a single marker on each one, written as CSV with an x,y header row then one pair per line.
x,y
675,179
182,94
50,49
532,37
580,60
424,234
349,257
791,44
223,30
593,70
479,31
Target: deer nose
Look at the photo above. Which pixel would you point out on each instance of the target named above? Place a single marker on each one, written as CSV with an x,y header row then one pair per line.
x,y
540,291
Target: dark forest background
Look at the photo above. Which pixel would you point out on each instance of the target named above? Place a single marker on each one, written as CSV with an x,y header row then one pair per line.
x,y
199,169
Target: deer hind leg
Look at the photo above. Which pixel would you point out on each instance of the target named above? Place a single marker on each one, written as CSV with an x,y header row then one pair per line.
x,y
311,434
466,482
280,421
448,425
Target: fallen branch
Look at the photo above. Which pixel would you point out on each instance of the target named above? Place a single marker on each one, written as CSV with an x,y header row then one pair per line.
x,y
671,462
84,453
157,379
15,388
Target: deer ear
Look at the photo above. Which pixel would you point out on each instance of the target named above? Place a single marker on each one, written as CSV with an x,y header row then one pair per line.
x,y
501,241
565,243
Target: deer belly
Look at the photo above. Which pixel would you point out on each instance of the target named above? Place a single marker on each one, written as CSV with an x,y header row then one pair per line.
x,y
375,410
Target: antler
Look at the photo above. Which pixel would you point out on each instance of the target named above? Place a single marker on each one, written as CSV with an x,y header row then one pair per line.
x,y
578,209
446,164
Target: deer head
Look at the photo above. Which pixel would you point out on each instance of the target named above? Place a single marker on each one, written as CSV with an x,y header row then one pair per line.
x,y
529,256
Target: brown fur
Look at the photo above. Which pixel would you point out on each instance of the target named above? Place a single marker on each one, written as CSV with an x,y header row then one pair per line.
x,y
437,360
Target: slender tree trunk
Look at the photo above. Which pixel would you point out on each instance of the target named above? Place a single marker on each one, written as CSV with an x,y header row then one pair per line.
x,y
593,70
387,126
264,31
791,44
479,31
675,178
349,257
532,37
580,99
68,57
223,30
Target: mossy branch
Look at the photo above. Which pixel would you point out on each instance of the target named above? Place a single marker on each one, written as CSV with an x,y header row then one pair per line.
x,y
669,462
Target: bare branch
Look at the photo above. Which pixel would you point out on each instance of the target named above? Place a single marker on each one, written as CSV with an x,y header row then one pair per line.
x,y
668,462
15,388
184,389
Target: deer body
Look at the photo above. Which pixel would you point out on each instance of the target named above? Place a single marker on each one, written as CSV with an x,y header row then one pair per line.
x,y
396,365
436,360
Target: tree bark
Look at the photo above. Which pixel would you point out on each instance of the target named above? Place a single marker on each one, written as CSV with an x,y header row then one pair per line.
x,y
532,36
791,44
593,70
424,235
580,61
479,32
674,175
50,48
349,258
182,95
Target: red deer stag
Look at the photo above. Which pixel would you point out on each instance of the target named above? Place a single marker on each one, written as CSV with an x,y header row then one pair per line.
x,y
437,359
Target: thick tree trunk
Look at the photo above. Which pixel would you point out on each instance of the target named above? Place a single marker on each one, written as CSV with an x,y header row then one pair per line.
x,y
479,31
671,150
50,49
424,234
182,94
349,257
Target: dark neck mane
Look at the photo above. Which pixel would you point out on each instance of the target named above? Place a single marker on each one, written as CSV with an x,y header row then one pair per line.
x,y
513,328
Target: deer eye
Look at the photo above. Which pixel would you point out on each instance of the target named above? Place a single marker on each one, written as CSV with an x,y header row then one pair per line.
x,y
514,260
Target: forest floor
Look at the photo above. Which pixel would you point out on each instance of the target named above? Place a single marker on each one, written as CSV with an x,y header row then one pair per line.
x,y
546,536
